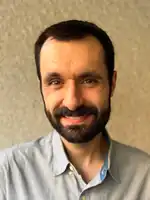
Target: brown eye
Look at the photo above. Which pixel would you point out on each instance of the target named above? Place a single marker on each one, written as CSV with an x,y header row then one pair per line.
x,y
90,81
54,82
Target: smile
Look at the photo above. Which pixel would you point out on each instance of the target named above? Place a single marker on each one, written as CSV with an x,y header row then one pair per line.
x,y
76,120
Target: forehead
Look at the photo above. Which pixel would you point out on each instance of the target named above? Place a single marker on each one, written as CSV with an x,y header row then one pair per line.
x,y
72,57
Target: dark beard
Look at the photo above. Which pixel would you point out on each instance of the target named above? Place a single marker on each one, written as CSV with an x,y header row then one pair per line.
x,y
80,133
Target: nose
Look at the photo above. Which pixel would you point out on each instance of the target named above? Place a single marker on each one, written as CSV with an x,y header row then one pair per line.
x,y
73,97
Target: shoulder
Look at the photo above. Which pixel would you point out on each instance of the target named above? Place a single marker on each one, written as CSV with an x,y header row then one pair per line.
x,y
133,169
21,159
123,149
20,152
131,157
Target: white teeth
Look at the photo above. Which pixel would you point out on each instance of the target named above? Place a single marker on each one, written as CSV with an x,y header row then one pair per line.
x,y
74,117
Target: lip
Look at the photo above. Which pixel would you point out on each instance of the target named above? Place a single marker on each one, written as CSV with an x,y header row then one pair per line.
x,y
76,120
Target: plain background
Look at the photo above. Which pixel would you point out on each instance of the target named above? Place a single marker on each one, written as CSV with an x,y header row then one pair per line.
x,y
127,22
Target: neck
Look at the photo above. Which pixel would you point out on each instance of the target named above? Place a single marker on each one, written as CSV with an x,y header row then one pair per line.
x,y
87,154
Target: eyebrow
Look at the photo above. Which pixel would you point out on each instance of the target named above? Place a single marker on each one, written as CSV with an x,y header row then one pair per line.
x,y
84,75
90,74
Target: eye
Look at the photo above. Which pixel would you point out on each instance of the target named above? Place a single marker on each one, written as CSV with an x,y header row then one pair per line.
x,y
55,82
90,81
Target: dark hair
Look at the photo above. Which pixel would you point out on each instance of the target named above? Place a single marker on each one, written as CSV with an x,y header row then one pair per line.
x,y
73,30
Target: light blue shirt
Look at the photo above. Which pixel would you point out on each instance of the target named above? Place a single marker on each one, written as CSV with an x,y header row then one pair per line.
x,y
40,170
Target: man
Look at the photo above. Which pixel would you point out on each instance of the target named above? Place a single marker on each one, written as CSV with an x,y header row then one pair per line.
x,y
78,160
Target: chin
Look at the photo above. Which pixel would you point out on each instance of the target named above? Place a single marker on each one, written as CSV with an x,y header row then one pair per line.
x,y
78,134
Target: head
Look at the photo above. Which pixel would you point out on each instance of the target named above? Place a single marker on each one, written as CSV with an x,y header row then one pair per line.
x,y
75,67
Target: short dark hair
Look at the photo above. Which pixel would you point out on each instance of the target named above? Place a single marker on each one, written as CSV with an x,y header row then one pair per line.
x,y
73,30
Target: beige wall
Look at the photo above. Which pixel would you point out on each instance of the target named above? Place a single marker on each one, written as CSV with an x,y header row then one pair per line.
x,y
127,22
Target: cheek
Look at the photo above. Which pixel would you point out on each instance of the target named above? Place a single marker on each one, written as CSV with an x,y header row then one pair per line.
x,y
52,99
46,91
98,98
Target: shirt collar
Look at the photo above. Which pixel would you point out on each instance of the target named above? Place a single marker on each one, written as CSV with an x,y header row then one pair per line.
x,y
60,160
113,165
110,162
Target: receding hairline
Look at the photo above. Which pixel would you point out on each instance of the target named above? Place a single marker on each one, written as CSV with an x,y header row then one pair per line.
x,y
86,37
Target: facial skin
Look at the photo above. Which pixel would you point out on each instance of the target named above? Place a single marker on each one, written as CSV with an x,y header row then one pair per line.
x,y
75,87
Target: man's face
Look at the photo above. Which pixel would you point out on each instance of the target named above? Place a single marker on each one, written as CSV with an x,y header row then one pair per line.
x,y
75,87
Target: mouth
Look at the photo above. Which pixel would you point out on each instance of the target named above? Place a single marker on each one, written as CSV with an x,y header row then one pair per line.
x,y
86,119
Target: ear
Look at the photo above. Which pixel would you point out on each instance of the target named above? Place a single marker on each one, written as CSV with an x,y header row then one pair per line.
x,y
113,85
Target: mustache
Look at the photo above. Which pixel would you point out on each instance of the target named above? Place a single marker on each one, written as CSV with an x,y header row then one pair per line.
x,y
80,111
